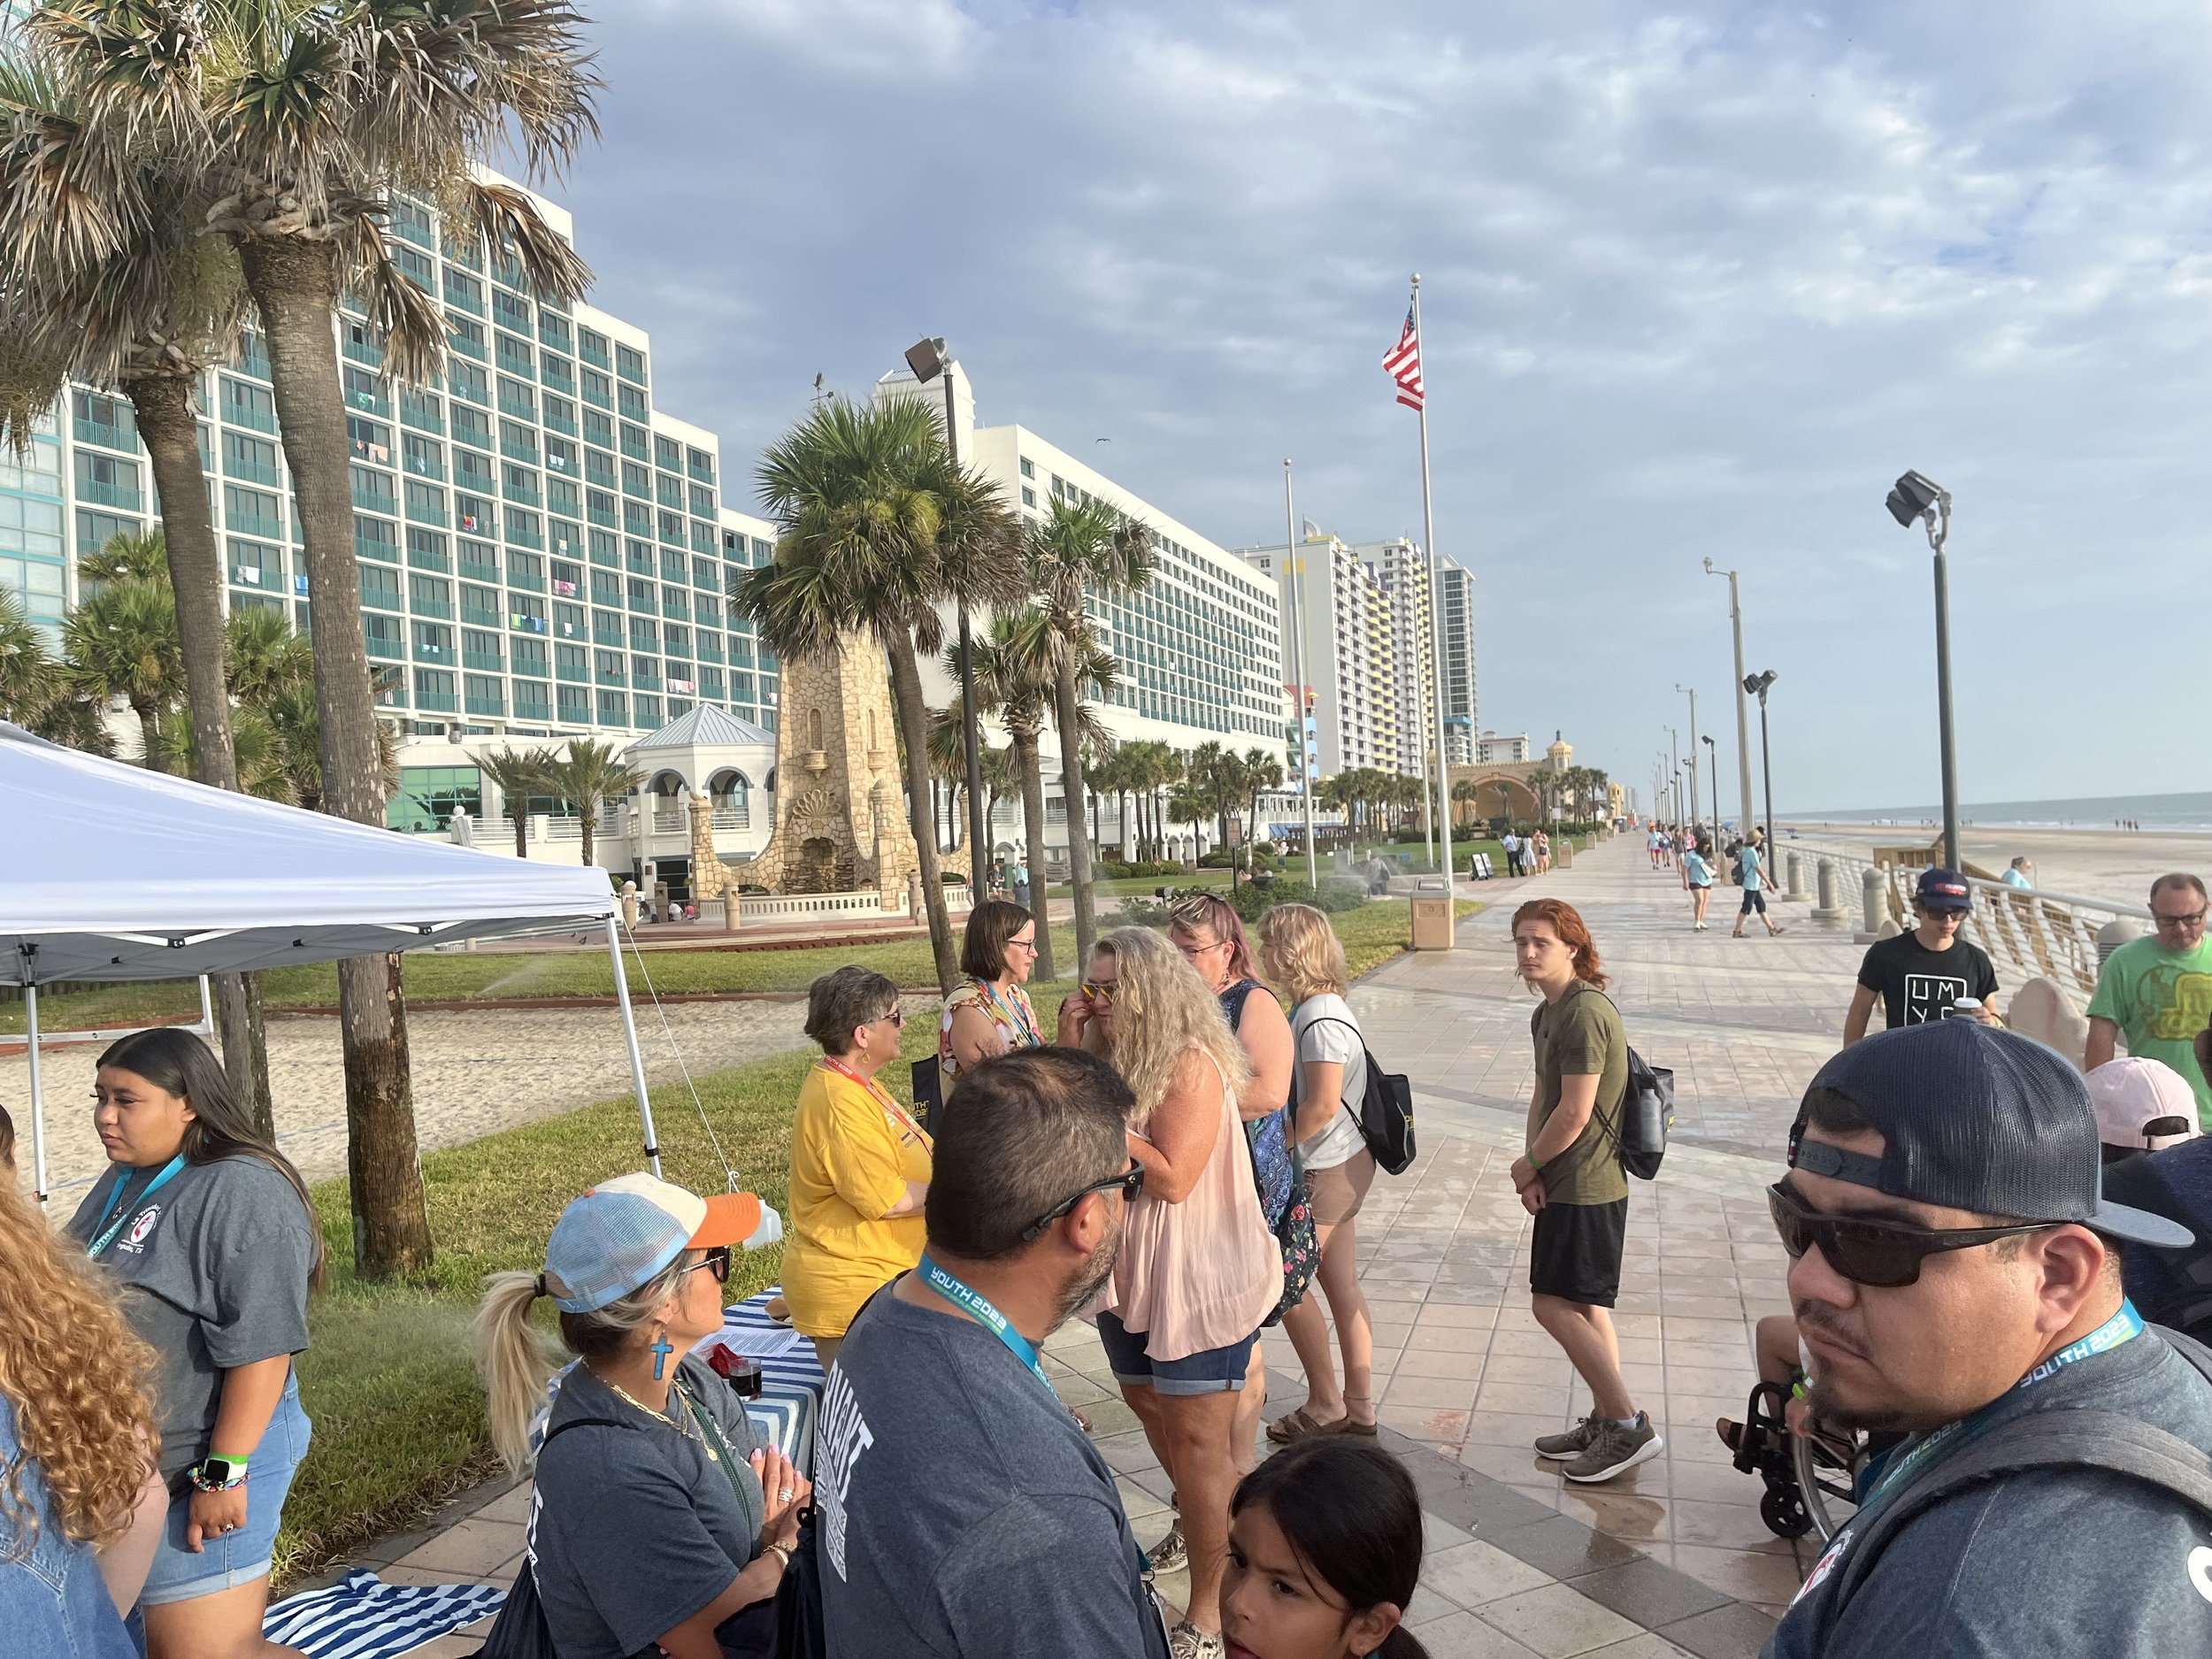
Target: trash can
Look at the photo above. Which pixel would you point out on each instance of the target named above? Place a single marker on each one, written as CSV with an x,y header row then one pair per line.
x,y
1431,913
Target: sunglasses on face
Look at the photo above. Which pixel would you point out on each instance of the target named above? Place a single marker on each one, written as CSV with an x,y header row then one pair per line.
x,y
1130,1182
897,1017
1886,1254
1099,991
716,1262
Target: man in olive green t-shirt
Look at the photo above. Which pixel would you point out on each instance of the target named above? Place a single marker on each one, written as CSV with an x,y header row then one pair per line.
x,y
2157,992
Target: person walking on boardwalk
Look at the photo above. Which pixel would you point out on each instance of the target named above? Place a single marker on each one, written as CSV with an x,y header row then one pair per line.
x,y
1751,860
1699,873
1571,1180
2157,992
1919,975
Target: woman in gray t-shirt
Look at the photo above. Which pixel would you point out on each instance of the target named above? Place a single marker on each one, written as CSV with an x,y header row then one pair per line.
x,y
1302,953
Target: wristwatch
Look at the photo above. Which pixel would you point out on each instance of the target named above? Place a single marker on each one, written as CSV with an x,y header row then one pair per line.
x,y
218,1474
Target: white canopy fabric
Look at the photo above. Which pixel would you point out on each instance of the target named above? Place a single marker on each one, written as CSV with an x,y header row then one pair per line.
x,y
117,873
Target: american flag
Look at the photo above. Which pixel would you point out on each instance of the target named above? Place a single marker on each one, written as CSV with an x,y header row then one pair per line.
x,y
1402,362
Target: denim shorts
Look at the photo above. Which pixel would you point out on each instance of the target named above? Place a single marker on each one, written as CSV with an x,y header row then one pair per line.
x,y
1210,1372
242,1556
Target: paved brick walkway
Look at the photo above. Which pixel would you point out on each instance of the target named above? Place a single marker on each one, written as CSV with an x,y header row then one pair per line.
x,y
1671,1558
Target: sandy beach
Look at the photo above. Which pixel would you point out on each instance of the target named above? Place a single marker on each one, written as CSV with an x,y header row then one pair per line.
x,y
474,1071
2117,865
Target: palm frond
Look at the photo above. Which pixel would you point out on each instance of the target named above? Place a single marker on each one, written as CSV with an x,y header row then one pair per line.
x,y
408,324
501,220
69,184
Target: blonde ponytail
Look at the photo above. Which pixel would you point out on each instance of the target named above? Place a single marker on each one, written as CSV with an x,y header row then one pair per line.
x,y
515,1359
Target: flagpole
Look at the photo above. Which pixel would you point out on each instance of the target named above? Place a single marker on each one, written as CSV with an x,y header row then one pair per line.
x,y
1436,618
1294,574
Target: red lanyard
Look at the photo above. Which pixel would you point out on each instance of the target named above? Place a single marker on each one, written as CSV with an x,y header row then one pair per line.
x,y
905,1125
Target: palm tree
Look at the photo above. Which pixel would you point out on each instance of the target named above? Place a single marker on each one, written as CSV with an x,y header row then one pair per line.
x,y
1009,684
879,528
31,681
122,642
593,773
519,774
949,762
1262,774
1079,552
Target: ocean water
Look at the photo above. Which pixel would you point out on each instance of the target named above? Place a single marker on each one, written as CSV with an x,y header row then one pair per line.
x,y
2166,812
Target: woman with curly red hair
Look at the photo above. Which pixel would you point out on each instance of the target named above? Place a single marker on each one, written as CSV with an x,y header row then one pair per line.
x,y
1570,1179
76,1445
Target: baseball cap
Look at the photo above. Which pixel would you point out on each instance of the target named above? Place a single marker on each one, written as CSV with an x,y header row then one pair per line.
x,y
1943,890
1975,1117
622,1232
2130,1092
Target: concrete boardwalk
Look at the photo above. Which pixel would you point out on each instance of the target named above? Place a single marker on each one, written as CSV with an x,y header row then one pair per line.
x,y
1672,1558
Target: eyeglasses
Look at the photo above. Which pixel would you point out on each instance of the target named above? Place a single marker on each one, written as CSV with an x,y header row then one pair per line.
x,y
1099,991
897,1017
1199,950
1886,1254
2196,918
1030,945
1131,1181
716,1262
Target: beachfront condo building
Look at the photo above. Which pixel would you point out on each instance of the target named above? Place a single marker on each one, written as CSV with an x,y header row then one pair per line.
x,y
1455,601
1352,651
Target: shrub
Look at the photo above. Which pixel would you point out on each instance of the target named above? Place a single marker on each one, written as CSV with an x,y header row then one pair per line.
x,y
1337,892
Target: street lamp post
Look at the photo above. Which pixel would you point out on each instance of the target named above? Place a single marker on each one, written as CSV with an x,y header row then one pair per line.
x,y
1743,728
1918,496
1691,693
1712,774
929,359
1674,773
1757,684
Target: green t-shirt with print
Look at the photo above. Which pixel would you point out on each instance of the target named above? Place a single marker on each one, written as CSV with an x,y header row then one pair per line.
x,y
2161,999
1580,1035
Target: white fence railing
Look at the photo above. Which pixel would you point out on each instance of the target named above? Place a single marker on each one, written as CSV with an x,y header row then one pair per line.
x,y
763,907
2028,932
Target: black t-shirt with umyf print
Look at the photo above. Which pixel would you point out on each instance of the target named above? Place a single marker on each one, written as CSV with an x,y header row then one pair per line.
x,y
1917,985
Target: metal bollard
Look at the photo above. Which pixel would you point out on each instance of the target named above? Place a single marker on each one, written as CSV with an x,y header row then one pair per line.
x,y
1829,909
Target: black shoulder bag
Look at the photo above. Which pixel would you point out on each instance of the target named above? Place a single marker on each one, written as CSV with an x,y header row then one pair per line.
x,y
520,1631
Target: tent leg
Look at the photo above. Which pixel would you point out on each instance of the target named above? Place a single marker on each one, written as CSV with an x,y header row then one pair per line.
x,y
207,1009
38,1094
637,1056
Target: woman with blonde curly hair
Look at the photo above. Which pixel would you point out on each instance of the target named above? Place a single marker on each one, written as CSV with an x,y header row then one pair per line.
x,y
76,1447
1198,1269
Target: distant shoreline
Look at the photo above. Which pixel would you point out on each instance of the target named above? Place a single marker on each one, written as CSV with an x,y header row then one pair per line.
x,y
1891,829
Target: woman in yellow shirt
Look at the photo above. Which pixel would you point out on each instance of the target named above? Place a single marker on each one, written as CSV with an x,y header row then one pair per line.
x,y
860,1164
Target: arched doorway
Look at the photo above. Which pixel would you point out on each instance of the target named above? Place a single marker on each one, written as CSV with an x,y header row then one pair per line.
x,y
1485,799
729,790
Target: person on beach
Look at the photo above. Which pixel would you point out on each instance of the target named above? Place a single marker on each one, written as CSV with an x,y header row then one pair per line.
x,y
1918,976
860,1164
205,1232
2157,992
988,1012
1754,898
1571,1180
2020,873
662,1519
1699,874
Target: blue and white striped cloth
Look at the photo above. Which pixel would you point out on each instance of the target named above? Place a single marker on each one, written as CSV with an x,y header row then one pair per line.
x,y
362,1617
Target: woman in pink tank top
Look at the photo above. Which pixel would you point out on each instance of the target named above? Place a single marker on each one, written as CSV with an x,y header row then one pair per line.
x,y
1198,1269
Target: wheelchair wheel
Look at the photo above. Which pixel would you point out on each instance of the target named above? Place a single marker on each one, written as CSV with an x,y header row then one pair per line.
x,y
1783,1511
1826,1483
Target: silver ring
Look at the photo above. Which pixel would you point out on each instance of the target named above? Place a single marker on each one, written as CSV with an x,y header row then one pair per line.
x,y
785,1494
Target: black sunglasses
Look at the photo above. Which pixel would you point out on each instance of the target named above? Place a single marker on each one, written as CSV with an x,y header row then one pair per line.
x,y
1131,1181
1886,1254
716,1260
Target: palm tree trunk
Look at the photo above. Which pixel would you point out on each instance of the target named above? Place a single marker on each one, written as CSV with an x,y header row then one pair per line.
x,y
521,821
1033,777
1069,709
170,431
590,827
906,692
295,287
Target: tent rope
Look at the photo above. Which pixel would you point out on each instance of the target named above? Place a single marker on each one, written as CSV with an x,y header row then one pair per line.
x,y
700,1106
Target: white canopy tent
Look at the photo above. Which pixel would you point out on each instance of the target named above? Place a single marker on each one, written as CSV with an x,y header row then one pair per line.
x,y
117,873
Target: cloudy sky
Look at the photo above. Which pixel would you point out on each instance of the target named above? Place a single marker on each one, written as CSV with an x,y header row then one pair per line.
x,y
1696,282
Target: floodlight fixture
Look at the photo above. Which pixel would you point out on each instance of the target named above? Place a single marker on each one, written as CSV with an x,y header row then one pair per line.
x,y
1916,495
928,358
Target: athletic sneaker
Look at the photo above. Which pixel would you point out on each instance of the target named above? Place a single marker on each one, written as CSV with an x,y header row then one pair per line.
x,y
1169,1555
1187,1641
1616,1450
1573,1443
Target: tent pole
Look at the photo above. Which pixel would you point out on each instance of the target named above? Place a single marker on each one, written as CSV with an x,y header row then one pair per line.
x,y
207,1009
38,1094
637,1056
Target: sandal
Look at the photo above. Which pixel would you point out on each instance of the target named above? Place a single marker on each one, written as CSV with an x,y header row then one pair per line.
x,y
1298,1424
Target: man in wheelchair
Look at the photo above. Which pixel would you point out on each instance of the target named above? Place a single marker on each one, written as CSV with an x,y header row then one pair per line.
x,y
1954,1282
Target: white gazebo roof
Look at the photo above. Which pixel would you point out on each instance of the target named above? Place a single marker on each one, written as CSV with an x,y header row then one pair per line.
x,y
707,726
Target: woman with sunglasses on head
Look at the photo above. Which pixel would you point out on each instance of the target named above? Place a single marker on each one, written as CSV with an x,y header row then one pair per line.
x,y
205,1230
860,1164
1198,1269
988,1012
661,1519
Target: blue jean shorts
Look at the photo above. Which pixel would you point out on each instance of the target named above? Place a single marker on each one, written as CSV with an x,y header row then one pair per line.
x,y
1210,1372
242,1556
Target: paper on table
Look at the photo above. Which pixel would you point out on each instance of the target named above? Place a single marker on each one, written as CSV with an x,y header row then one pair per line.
x,y
755,1343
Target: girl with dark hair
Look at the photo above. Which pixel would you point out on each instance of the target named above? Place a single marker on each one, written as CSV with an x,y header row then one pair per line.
x,y
1324,1550
205,1229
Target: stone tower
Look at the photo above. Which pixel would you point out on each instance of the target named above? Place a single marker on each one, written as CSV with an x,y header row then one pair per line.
x,y
840,816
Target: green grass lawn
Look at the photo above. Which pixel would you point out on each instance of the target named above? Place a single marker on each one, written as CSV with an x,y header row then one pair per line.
x,y
398,1413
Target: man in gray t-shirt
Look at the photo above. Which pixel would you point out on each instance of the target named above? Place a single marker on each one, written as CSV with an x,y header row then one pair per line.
x,y
962,1510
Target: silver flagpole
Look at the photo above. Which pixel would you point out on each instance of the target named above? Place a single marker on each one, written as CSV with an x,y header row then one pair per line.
x,y
1436,610
1293,574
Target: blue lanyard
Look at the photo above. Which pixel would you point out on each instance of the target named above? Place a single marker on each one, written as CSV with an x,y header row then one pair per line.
x,y
2124,1327
116,1192
964,1298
